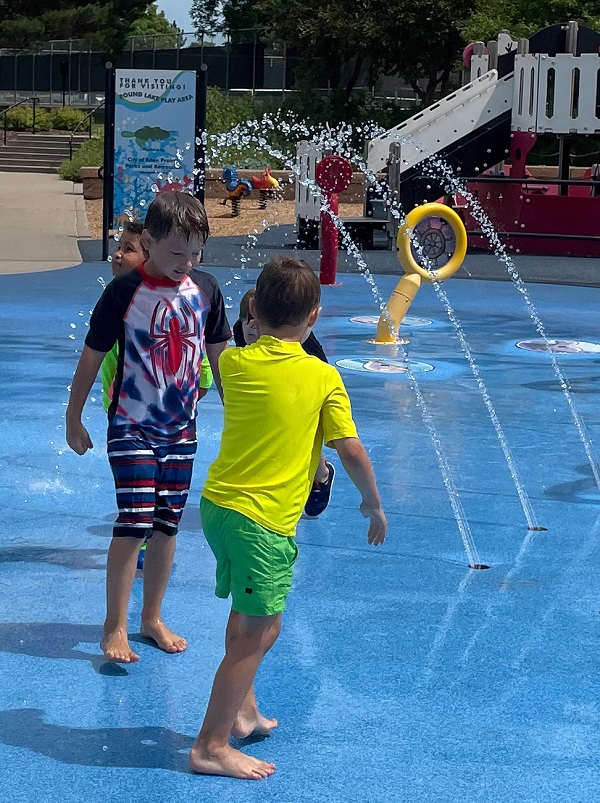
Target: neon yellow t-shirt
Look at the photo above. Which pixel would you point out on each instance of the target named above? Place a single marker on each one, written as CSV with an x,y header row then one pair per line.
x,y
108,371
280,404
206,375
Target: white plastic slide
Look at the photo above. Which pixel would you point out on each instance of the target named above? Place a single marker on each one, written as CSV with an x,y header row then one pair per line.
x,y
449,120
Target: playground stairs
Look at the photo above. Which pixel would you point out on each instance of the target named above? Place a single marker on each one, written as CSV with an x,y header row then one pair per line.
x,y
36,153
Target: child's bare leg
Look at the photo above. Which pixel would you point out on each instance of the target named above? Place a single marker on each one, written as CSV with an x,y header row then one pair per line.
x,y
211,753
157,570
322,472
249,719
120,574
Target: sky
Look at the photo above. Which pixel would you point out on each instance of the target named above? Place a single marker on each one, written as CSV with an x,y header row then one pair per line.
x,y
177,10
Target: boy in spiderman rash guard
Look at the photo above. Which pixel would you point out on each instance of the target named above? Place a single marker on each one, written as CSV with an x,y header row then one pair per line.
x,y
164,315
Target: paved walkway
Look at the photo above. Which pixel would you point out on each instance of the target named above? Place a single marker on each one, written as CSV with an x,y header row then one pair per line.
x,y
227,251
41,219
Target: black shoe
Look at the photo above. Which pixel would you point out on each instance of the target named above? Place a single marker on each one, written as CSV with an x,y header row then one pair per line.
x,y
318,498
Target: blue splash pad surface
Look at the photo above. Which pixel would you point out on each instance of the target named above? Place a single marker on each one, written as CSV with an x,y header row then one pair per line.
x,y
400,675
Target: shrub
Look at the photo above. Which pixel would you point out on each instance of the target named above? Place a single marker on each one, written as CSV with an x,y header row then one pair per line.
x,y
223,113
43,120
67,118
91,153
21,119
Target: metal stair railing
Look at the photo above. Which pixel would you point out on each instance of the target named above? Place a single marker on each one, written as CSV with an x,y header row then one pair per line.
x,y
4,112
89,117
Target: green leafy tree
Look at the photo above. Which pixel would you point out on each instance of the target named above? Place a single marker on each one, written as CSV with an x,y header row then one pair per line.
x,y
154,29
103,24
525,17
220,16
420,40
206,15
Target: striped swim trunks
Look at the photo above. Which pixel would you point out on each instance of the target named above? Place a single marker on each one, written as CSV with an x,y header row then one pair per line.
x,y
152,479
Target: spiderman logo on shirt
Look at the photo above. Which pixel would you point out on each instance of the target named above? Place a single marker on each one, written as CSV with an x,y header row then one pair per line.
x,y
176,340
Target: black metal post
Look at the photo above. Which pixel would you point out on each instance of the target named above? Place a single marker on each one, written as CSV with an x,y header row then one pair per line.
x,y
200,128
564,159
35,100
254,65
109,157
227,59
69,73
64,70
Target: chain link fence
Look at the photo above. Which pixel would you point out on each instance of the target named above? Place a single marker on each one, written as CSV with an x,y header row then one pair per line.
x,y
70,73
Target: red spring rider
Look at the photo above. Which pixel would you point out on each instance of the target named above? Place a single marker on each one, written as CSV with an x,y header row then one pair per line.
x,y
333,175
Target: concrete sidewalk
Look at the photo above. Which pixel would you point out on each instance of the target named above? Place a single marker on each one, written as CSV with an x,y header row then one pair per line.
x,y
42,218
227,251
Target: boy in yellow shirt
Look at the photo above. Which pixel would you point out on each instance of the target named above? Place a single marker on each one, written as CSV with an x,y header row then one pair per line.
x,y
278,400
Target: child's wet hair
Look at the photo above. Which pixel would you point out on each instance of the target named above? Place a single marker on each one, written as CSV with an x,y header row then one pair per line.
x,y
287,291
245,314
176,213
134,227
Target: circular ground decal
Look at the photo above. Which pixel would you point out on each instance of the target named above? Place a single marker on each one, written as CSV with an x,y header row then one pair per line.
x,y
560,346
373,320
384,365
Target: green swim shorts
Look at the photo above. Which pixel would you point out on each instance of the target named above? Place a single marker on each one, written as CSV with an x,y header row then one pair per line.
x,y
254,565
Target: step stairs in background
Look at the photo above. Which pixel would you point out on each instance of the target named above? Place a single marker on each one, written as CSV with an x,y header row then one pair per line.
x,y
37,153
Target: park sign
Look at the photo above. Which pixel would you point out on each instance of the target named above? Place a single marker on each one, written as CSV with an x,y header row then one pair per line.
x,y
154,138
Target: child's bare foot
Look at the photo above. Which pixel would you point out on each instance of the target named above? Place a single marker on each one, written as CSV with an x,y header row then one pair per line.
x,y
230,762
165,639
115,646
256,725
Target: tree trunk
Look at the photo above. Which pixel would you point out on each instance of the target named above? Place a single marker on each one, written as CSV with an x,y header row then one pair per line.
x,y
334,66
432,83
443,81
358,63
417,90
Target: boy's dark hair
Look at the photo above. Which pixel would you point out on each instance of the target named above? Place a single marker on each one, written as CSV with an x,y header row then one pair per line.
x,y
134,227
176,213
287,291
245,314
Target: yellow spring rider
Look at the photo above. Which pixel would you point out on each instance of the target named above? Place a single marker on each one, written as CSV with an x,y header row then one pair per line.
x,y
435,235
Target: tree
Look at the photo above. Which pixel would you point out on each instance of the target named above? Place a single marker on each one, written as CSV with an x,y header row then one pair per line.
x,y
420,40
226,16
423,42
154,29
522,18
104,24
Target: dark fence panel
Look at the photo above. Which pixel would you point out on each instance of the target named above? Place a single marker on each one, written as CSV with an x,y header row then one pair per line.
x,y
239,66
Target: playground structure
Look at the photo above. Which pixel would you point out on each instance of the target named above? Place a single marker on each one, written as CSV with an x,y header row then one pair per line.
x,y
266,186
482,134
239,188
333,175
444,237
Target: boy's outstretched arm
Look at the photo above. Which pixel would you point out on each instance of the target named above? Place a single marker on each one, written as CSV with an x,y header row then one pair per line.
x,y
89,364
358,467
213,352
